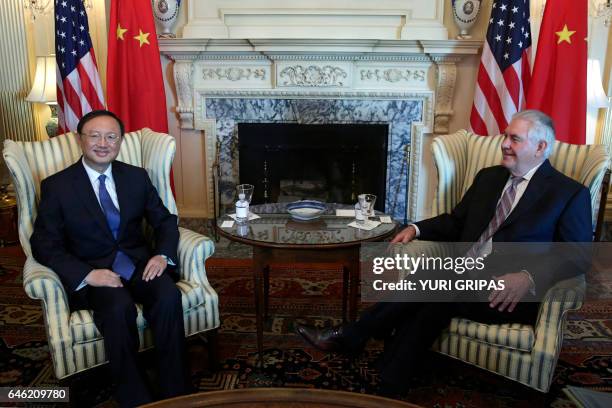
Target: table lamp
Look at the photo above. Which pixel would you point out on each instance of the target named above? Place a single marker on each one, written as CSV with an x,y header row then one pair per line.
x,y
44,89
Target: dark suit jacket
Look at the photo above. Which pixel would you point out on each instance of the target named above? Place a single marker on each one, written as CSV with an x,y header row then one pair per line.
x,y
554,208
71,234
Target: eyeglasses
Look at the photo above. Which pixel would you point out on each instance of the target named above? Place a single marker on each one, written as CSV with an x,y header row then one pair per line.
x,y
111,138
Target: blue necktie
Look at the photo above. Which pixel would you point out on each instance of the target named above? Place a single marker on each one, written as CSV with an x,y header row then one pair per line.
x,y
122,264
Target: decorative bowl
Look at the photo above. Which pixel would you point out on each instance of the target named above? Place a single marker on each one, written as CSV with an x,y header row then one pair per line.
x,y
306,210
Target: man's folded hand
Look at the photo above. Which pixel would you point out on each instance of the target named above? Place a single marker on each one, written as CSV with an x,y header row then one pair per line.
x,y
516,286
103,277
155,267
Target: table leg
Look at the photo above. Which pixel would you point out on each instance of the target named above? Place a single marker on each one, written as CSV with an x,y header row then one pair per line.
x,y
266,291
260,256
345,286
353,267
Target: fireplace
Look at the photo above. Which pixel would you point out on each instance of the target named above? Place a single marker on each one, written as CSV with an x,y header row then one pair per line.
x,y
397,115
328,162
235,77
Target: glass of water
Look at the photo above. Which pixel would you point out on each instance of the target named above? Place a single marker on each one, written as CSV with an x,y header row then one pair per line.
x,y
366,202
247,190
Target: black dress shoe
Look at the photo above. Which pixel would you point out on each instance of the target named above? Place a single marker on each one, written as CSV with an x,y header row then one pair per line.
x,y
330,340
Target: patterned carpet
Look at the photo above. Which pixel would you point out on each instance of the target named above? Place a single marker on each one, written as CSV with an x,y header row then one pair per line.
x,y
305,295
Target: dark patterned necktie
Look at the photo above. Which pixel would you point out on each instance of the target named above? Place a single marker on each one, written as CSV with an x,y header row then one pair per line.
x,y
504,206
122,264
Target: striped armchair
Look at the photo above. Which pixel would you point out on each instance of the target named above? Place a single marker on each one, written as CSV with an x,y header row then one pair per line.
x,y
520,352
75,343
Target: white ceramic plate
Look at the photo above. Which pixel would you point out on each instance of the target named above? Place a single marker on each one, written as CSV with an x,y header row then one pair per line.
x,y
306,210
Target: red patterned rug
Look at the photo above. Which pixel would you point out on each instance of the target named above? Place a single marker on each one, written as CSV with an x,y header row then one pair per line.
x,y
307,295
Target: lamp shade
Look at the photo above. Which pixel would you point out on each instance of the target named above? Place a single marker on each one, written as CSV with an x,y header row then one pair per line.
x,y
596,97
44,87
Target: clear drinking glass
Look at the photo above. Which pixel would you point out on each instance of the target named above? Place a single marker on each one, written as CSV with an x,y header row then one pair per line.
x,y
247,190
366,202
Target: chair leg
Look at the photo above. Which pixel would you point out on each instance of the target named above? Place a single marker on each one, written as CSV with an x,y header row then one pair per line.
x,y
212,338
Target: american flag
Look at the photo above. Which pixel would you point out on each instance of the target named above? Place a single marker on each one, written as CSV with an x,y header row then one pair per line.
x,y
79,89
504,72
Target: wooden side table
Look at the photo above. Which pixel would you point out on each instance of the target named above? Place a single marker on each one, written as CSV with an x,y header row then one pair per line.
x,y
276,238
8,221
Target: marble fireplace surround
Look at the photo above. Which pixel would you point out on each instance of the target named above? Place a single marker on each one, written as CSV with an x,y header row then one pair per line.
x,y
399,114
408,84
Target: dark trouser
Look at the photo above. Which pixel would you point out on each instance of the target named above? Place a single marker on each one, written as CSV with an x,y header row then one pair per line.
x,y
409,329
115,316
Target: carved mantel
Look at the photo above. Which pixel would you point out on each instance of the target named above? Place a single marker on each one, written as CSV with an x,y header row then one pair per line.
x,y
337,66
317,69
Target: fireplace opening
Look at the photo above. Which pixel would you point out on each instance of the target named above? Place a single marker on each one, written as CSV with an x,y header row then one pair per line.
x,y
331,162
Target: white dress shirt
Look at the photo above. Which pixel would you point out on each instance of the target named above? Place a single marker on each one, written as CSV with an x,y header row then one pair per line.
x,y
109,182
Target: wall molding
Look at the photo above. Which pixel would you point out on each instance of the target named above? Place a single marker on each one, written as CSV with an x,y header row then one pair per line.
x,y
389,19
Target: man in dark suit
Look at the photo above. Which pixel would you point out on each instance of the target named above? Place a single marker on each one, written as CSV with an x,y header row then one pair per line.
x,y
89,230
522,200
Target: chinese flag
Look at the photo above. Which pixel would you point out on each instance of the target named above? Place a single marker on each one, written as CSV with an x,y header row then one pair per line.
x,y
135,87
558,84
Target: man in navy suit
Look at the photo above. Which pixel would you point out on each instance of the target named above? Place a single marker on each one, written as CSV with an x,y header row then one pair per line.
x,y
522,200
89,230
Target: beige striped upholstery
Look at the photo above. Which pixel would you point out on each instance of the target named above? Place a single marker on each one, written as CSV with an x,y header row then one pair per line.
x,y
74,341
513,336
520,352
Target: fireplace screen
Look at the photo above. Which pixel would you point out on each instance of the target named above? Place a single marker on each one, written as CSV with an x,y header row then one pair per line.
x,y
332,162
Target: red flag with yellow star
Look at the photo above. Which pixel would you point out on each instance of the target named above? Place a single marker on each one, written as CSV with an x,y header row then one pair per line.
x,y
135,86
558,82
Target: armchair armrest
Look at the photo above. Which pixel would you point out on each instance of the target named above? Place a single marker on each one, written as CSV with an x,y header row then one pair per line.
x,y
42,283
193,250
565,296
